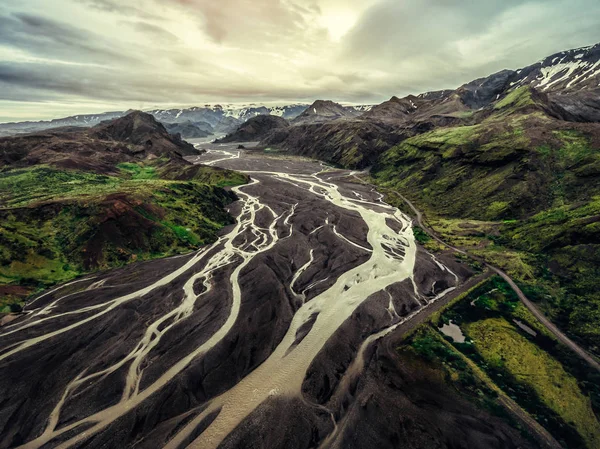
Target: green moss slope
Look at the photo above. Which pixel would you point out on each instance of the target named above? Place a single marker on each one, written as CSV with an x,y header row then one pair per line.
x,y
57,224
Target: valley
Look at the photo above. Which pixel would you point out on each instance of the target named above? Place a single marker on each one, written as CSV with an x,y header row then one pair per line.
x,y
255,322
421,273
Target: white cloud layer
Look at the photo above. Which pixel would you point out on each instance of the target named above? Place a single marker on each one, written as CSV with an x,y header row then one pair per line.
x,y
81,56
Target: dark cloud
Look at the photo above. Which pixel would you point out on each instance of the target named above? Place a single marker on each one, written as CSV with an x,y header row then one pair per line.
x,y
399,29
50,39
263,23
40,82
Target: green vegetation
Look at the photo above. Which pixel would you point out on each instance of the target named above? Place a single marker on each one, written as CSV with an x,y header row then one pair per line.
x,y
458,371
204,174
57,224
506,350
460,171
522,191
22,187
504,168
421,236
516,99
545,378
138,171
521,359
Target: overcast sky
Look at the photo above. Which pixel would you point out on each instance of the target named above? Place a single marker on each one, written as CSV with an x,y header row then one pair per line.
x,y
63,57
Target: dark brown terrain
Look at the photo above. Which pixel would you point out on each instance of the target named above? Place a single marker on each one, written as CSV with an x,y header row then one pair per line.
x,y
276,319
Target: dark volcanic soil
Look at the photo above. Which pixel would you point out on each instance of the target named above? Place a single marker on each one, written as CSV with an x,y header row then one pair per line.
x,y
279,335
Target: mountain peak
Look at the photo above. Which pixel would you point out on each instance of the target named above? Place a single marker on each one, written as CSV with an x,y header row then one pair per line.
x,y
574,69
141,128
131,127
325,110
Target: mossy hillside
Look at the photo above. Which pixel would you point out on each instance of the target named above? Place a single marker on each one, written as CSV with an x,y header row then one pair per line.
x,y
428,345
554,255
53,242
426,348
457,173
541,194
562,246
21,187
560,391
138,171
516,99
216,176
55,224
503,347
502,168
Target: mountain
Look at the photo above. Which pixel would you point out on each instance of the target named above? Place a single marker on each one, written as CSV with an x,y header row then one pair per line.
x,y
572,69
350,144
141,129
190,130
503,144
85,120
325,110
534,178
256,129
394,108
566,85
134,137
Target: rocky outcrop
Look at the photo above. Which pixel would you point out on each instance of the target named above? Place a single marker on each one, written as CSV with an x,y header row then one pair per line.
x,y
324,111
256,129
189,129
353,144
143,131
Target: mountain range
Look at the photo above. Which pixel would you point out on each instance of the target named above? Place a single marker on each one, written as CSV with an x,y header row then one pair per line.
x,y
566,86
190,122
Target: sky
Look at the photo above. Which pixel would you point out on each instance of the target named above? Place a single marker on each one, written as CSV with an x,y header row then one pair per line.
x,y
67,57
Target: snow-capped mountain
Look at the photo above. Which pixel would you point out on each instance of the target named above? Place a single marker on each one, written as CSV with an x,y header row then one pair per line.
x,y
570,79
572,69
221,118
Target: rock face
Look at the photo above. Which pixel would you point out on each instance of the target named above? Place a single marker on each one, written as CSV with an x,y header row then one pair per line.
x,y
256,129
483,91
136,136
572,69
352,143
189,129
324,111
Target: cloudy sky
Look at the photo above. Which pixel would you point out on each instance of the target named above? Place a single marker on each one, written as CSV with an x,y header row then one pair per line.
x,y
63,57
